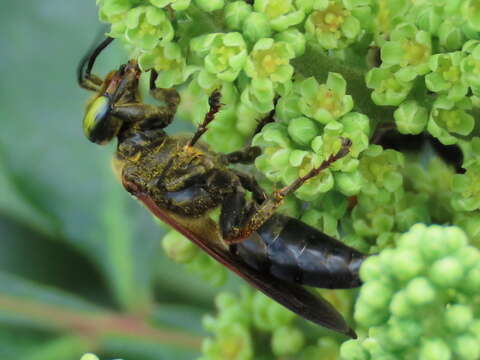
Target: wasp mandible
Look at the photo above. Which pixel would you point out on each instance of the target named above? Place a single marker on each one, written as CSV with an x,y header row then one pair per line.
x,y
180,180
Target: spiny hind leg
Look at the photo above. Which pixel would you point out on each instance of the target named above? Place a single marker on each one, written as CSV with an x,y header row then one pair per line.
x,y
253,216
215,105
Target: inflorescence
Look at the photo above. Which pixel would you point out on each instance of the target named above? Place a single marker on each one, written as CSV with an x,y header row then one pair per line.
x,y
365,70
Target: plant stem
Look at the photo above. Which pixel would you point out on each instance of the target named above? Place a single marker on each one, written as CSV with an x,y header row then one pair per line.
x,y
95,326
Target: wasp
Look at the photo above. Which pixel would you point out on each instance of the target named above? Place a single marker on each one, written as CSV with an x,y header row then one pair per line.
x,y
181,180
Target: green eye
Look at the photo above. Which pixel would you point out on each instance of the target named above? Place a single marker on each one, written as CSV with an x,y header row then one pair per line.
x,y
99,127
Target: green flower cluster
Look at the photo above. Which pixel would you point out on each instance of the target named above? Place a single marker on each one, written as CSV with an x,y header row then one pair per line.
x,y
418,300
333,69
181,250
242,320
313,118
425,55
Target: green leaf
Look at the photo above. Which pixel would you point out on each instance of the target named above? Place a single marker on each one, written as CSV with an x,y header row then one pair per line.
x,y
64,348
16,203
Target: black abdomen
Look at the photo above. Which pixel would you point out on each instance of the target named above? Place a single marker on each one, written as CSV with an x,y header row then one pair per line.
x,y
296,252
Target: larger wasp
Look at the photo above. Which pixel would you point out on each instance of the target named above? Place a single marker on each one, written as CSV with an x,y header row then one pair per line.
x,y
180,180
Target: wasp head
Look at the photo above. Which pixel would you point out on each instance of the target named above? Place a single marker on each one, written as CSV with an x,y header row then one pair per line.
x,y
119,87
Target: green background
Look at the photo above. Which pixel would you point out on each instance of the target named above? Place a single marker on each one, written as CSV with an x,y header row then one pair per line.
x,y
81,265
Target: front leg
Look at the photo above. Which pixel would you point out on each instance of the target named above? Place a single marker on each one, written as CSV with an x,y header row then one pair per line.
x,y
149,116
170,96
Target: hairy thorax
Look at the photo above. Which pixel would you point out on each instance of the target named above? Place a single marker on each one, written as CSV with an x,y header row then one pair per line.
x,y
188,180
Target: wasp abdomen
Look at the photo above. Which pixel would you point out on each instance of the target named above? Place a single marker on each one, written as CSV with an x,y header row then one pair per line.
x,y
296,252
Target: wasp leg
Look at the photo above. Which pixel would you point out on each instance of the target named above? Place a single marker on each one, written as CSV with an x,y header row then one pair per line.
x,y
235,215
176,183
85,77
250,183
267,119
168,95
244,156
149,115
214,102
263,212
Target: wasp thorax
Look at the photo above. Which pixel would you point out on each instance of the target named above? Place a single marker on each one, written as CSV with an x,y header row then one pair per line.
x,y
98,124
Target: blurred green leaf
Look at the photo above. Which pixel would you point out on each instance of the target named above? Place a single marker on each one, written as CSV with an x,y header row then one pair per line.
x,y
16,343
132,348
64,348
18,206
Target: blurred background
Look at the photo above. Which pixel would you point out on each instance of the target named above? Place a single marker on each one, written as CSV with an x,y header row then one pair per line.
x,y
81,264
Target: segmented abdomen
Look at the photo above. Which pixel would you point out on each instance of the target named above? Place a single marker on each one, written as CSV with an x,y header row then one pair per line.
x,y
294,251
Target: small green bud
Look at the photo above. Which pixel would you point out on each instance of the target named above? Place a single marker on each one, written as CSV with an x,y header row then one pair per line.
x,y
302,130
401,306
294,38
446,272
434,349
451,35
371,269
377,294
281,13
403,334
458,318
256,26
406,264
349,183
470,11
231,342
369,316
353,350
225,300
467,347
269,315
89,357
236,13
178,5
419,291
179,248
287,340
410,118
210,5
471,283
429,18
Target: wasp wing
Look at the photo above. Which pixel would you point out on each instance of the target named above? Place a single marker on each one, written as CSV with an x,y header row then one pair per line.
x,y
204,233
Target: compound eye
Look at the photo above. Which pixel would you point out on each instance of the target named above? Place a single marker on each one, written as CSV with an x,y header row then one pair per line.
x,y
99,127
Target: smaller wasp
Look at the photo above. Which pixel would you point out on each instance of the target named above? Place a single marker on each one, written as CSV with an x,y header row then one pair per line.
x,y
181,180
